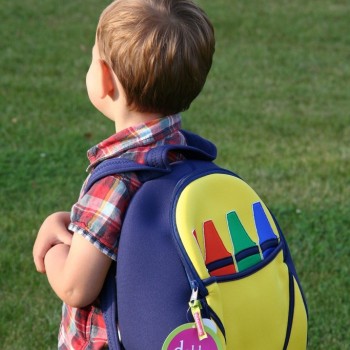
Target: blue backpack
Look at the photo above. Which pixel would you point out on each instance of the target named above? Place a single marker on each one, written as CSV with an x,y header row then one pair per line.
x,y
202,263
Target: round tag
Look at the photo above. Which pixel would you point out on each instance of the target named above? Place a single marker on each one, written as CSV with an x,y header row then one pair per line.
x,y
185,337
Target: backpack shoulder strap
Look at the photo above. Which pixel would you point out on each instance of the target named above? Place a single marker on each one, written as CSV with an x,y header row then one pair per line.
x,y
157,162
196,148
108,301
118,166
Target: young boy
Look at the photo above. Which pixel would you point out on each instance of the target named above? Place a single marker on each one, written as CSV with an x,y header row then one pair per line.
x,y
149,62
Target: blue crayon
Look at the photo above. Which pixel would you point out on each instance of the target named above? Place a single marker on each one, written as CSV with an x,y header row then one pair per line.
x,y
267,238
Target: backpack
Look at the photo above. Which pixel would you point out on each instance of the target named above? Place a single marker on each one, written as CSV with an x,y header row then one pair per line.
x,y
202,263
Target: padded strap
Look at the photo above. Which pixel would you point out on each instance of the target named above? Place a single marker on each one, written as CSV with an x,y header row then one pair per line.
x,y
108,300
121,165
157,162
197,148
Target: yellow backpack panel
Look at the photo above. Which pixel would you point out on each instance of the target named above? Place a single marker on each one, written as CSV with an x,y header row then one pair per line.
x,y
232,242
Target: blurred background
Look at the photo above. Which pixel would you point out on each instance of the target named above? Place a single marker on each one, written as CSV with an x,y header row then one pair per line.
x,y
276,103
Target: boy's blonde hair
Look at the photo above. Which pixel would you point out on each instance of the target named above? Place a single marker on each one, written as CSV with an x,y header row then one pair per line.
x,y
160,50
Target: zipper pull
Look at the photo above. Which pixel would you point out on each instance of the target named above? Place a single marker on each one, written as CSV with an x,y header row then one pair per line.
x,y
196,306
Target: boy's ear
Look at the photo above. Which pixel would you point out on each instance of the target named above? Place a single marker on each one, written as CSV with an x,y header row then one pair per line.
x,y
107,80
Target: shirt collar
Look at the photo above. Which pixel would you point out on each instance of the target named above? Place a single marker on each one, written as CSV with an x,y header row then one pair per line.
x,y
136,136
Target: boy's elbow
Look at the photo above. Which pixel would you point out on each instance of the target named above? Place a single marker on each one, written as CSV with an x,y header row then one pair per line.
x,y
76,298
73,294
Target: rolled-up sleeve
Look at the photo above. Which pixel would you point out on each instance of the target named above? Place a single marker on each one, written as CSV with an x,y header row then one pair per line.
x,y
99,213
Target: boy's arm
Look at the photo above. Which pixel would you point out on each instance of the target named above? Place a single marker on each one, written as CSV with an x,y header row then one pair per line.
x,y
75,268
76,273
54,230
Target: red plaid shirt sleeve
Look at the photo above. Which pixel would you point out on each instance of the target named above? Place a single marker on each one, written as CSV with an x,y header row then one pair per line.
x,y
99,213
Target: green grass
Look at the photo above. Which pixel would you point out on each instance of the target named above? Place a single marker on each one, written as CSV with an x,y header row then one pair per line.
x,y
276,103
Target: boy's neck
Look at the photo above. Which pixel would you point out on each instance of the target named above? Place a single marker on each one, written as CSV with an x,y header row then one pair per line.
x,y
125,118
117,109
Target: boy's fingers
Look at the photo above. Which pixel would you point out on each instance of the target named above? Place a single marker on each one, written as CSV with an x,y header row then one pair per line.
x,y
65,237
39,264
53,231
39,252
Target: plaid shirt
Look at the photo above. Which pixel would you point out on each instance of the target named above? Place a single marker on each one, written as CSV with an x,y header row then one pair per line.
x,y
99,213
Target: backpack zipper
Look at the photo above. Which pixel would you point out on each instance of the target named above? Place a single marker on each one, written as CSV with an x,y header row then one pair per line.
x,y
189,268
196,307
198,286
217,320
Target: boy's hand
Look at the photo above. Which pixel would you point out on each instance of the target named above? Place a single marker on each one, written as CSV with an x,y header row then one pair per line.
x,y
54,230
75,268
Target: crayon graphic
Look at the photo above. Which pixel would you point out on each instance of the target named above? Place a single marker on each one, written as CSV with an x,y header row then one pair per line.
x,y
218,260
267,238
246,251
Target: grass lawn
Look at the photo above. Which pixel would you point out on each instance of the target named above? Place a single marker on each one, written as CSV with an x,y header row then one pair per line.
x,y
276,103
